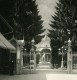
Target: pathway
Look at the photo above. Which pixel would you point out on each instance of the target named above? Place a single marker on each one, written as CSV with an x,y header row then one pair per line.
x,y
43,74
43,65
61,77
40,77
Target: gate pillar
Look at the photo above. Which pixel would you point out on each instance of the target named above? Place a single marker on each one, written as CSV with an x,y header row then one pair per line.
x,y
69,57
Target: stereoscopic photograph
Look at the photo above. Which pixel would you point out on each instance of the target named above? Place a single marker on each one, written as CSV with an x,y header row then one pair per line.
x,y
38,39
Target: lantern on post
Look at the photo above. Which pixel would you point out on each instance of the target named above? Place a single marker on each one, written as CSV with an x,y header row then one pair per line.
x,y
61,53
62,66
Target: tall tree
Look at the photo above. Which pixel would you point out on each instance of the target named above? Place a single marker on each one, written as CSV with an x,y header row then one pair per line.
x,y
63,20
28,21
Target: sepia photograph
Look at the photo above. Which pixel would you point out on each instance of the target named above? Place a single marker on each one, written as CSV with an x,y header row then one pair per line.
x,y
38,39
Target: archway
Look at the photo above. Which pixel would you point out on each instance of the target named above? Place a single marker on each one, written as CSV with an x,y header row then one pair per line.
x,y
45,55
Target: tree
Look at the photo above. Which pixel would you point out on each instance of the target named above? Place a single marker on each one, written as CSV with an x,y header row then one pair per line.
x,y
24,19
63,20
28,21
6,8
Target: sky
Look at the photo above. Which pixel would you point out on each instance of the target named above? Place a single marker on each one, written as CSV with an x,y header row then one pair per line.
x,y
46,9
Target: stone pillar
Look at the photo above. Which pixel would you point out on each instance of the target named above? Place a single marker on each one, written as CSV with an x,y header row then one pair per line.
x,y
34,60
18,62
33,53
69,57
21,60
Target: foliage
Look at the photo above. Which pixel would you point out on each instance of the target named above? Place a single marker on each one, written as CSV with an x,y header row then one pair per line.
x,y
63,20
24,18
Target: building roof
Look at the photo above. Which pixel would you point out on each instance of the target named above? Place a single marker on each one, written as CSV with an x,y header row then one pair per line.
x,y
5,43
44,44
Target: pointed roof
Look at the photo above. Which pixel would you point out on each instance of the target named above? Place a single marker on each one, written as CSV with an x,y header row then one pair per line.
x,y
45,43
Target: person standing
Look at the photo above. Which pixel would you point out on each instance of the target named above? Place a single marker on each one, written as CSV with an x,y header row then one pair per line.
x,y
11,67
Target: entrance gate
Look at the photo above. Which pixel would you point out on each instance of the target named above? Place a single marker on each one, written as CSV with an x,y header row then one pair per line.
x,y
29,60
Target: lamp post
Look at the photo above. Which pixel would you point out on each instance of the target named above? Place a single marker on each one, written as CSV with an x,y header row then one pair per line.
x,y
62,65
61,53
65,50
